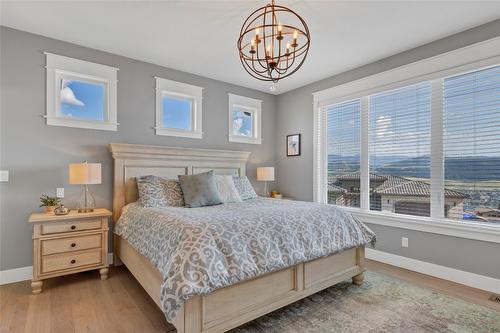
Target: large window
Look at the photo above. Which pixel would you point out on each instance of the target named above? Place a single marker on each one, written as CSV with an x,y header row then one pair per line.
x,y
343,144
400,133
472,145
427,149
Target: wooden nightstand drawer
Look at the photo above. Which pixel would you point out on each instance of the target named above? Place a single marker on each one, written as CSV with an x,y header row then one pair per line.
x,y
70,260
70,226
61,245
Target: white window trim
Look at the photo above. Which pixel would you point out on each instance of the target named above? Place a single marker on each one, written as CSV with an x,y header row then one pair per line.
x,y
57,67
435,69
183,90
251,105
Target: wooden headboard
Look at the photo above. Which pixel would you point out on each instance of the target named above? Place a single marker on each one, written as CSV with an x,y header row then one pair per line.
x,y
131,161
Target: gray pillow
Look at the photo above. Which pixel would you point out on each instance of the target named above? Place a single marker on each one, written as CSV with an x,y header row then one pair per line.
x,y
156,191
200,190
244,187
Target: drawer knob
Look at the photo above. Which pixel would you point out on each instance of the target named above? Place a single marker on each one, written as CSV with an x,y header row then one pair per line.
x,y
73,244
73,227
73,261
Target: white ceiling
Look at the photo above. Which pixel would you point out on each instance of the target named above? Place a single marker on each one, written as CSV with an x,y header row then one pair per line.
x,y
200,36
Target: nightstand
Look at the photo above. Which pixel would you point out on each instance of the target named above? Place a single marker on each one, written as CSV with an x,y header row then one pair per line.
x,y
67,244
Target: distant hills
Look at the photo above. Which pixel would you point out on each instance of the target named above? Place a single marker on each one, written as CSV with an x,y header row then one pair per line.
x,y
457,168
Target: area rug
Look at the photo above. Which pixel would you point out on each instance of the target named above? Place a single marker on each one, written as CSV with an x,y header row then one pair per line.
x,y
381,304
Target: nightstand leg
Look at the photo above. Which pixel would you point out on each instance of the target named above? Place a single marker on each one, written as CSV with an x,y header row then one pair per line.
x,y
104,273
36,287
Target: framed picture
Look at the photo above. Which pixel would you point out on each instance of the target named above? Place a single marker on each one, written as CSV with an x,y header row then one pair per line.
x,y
293,145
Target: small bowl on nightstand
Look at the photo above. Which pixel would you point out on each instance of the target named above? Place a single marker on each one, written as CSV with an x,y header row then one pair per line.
x,y
61,210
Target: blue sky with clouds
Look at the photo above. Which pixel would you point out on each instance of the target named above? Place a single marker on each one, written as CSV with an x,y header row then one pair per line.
x,y
242,122
400,120
82,100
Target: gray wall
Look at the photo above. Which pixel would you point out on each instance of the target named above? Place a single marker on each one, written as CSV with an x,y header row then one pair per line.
x,y
37,155
295,174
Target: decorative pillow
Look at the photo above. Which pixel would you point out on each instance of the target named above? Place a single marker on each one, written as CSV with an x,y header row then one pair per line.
x,y
244,187
200,190
227,190
156,191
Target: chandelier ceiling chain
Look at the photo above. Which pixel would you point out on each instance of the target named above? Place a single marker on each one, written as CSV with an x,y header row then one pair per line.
x,y
273,42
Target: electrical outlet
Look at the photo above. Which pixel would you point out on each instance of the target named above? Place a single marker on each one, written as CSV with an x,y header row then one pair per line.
x,y
4,175
404,241
60,192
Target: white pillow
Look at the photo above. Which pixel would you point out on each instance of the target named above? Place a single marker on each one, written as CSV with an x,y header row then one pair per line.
x,y
227,190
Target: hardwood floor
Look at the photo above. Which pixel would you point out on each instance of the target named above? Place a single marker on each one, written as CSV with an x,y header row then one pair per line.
x,y
81,303
84,303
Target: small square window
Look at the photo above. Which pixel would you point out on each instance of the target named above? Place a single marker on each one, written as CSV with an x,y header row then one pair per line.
x,y
80,94
244,119
178,109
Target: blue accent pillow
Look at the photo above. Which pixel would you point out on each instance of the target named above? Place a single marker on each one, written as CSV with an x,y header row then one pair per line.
x,y
244,187
200,190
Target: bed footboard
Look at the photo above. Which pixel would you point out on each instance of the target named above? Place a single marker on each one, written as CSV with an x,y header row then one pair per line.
x,y
235,305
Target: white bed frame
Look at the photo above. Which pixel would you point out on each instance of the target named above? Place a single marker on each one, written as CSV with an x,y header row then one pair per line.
x,y
234,305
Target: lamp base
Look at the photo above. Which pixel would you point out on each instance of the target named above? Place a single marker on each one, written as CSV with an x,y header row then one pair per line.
x,y
86,203
266,192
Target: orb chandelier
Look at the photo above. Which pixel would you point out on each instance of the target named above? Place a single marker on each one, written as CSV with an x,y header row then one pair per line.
x,y
273,43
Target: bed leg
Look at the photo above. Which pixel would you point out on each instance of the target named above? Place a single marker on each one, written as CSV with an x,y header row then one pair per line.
x,y
193,315
358,279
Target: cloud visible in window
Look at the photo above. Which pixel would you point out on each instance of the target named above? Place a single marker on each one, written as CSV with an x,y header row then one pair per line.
x,y
237,124
68,96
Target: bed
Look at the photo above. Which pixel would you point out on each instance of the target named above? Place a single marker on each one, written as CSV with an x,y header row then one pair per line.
x,y
243,293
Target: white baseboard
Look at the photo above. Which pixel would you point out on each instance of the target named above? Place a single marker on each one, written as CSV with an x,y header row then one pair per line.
x,y
451,274
442,272
26,273
16,275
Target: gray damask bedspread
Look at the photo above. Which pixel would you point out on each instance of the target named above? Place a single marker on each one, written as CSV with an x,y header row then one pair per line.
x,y
198,250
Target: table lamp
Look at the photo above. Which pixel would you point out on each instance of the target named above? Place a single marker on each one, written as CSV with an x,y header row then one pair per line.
x,y
265,174
85,174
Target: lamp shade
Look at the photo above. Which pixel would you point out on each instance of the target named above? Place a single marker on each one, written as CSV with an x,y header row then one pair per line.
x,y
85,173
265,174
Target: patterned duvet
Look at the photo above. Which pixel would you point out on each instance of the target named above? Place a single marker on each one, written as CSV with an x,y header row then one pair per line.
x,y
198,250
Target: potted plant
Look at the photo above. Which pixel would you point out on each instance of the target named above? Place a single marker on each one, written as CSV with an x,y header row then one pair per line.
x,y
50,203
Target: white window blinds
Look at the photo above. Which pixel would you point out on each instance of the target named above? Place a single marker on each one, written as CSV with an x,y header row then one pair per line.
x,y
472,145
343,147
399,150
429,149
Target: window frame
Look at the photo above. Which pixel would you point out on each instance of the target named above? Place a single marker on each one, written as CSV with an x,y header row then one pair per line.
x,y
249,105
436,70
179,90
60,67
